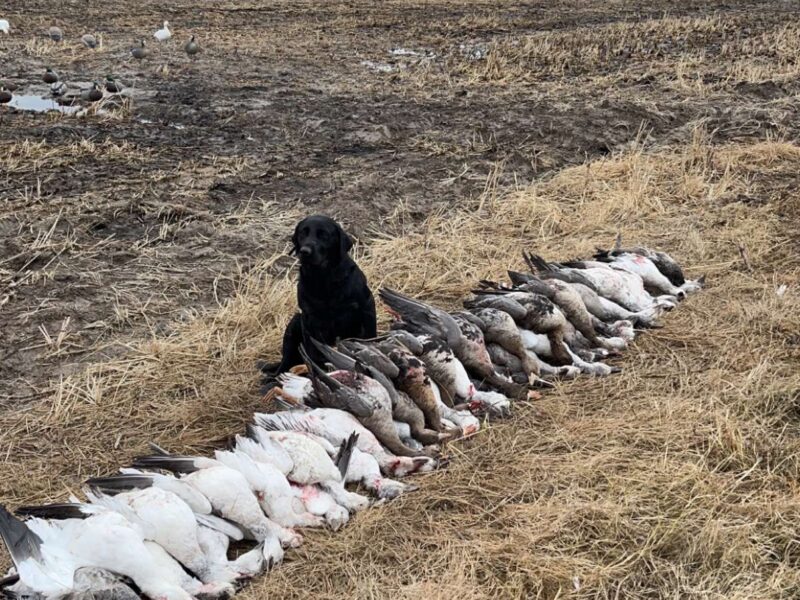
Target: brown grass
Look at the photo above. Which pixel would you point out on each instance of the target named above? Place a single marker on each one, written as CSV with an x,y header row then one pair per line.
x,y
676,478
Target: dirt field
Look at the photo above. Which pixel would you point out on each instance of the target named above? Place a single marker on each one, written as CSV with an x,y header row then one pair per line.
x,y
142,270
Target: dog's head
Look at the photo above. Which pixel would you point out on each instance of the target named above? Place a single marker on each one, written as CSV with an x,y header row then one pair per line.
x,y
319,241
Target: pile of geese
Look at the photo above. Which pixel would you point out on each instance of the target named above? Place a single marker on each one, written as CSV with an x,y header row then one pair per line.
x,y
377,412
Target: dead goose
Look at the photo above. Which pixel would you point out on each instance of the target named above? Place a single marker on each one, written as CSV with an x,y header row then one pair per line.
x,y
628,292
47,553
500,329
412,378
337,425
345,390
531,311
403,408
667,265
645,268
476,358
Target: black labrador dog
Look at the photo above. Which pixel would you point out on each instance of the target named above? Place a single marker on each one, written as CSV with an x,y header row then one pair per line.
x,y
332,293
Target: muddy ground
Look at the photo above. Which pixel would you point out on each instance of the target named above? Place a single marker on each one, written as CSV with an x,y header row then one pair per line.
x,y
118,222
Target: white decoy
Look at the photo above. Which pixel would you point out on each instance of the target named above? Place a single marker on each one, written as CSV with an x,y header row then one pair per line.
x,y
163,34
311,464
168,521
5,26
230,495
47,553
336,426
271,487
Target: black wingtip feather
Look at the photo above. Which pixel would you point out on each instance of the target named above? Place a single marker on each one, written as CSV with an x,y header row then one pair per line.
x,y
345,453
120,483
57,511
176,464
22,543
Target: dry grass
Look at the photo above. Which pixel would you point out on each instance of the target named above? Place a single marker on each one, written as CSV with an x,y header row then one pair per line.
x,y
676,478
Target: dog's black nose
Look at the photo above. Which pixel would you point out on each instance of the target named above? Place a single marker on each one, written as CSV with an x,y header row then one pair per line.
x,y
305,250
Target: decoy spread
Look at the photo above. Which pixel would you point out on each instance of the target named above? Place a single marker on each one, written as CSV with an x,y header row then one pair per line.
x,y
378,410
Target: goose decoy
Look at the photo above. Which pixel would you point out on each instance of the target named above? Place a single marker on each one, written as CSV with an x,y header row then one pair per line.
x,y
113,86
141,51
230,495
344,390
50,76
337,425
89,40
93,94
268,483
403,408
5,95
47,553
191,47
55,34
5,26
163,34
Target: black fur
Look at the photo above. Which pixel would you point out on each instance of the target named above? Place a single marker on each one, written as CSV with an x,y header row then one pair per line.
x,y
332,293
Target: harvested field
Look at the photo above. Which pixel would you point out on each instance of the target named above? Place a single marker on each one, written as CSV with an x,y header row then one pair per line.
x,y
144,273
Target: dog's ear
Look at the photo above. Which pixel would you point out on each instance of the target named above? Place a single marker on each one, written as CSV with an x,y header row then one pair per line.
x,y
345,242
295,241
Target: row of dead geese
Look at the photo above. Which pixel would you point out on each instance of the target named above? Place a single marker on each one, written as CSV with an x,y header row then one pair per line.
x,y
163,526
